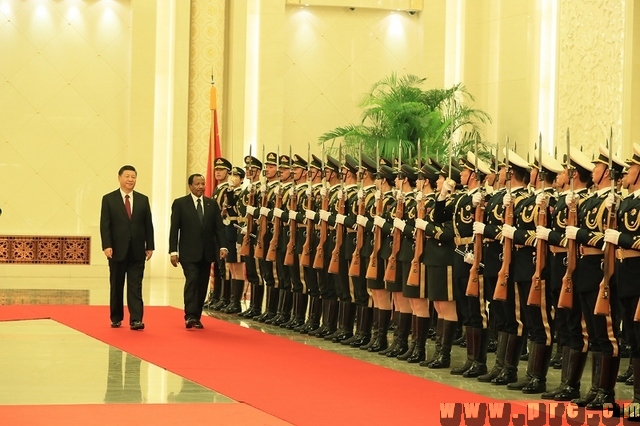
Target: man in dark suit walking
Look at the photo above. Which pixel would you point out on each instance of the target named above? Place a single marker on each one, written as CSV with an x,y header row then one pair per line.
x,y
126,230
196,238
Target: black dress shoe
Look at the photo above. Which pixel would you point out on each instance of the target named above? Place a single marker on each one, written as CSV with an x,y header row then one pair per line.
x,y
116,324
190,323
136,325
198,325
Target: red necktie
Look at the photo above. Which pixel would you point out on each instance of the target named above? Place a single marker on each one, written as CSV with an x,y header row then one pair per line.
x,y
127,205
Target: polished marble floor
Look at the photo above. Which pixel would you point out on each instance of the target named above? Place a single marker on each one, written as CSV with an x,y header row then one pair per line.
x,y
44,362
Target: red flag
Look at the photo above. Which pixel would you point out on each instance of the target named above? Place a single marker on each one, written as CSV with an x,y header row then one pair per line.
x,y
215,151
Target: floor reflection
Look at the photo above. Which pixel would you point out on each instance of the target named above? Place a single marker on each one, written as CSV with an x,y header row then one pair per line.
x,y
123,389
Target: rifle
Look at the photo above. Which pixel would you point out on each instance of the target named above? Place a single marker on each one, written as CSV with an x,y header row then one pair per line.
x,y
565,300
273,244
537,283
289,257
318,261
414,270
372,269
245,250
603,302
334,264
476,279
354,267
390,271
500,292
262,224
305,257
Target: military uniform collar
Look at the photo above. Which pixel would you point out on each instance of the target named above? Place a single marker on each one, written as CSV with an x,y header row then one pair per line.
x,y
365,188
636,193
603,191
516,188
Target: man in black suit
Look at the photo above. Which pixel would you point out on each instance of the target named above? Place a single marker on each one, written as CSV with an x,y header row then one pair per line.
x,y
196,238
126,230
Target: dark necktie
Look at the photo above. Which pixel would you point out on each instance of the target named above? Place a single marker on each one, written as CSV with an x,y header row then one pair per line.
x,y
200,211
127,205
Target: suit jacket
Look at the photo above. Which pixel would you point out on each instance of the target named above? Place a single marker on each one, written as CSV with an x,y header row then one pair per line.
x,y
117,230
193,240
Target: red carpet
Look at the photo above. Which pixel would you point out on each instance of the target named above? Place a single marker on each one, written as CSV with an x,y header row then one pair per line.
x,y
300,384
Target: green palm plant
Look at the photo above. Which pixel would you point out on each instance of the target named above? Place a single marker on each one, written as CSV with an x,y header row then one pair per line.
x,y
397,112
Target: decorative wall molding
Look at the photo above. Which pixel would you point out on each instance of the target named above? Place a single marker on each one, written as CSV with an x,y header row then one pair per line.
x,y
45,250
10,296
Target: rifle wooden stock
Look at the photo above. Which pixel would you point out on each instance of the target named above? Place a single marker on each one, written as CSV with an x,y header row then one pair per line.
x,y
318,261
414,269
475,277
390,271
289,257
565,300
262,224
354,267
537,283
273,244
603,301
334,264
500,292
305,257
372,268
245,250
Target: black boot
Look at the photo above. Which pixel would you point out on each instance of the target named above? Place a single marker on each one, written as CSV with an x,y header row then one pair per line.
x,y
471,343
237,288
624,376
285,312
524,356
542,359
210,300
255,306
556,361
300,302
366,323
501,348
343,308
225,295
374,329
401,342
509,373
279,308
571,390
481,344
412,344
528,376
636,387
596,359
381,343
294,310
313,320
330,320
443,360
566,351
348,320
273,297
393,326
419,353
606,388
438,345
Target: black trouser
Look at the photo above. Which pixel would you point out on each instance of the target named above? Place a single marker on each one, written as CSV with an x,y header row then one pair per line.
x,y
342,281
253,270
602,333
467,315
360,293
631,327
133,271
514,312
298,275
496,309
195,287
284,273
539,318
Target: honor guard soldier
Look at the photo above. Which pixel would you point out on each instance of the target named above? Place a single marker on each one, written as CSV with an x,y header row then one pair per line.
x,y
362,225
384,199
538,318
232,220
248,204
220,290
589,234
626,238
568,315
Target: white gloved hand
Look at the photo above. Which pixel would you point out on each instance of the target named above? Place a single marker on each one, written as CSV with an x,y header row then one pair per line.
x,y
263,190
569,198
379,221
469,258
377,195
506,200
542,233
310,214
362,220
251,210
399,223
324,215
419,196
292,215
447,188
478,228
291,192
339,194
571,232
360,194
476,198
611,236
277,189
249,187
508,231
421,224
323,191
610,201
340,218
264,211
540,198
308,191
277,212
243,230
